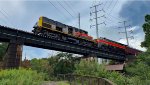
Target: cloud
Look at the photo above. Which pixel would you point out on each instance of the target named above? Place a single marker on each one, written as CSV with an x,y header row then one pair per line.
x,y
11,10
134,11
136,42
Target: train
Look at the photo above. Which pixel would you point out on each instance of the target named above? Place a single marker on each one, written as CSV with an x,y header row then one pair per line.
x,y
56,30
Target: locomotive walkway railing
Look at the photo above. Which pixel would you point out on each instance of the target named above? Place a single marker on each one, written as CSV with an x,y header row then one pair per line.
x,y
84,80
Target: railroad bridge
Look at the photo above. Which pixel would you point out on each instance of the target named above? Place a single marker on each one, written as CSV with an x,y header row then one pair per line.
x,y
17,38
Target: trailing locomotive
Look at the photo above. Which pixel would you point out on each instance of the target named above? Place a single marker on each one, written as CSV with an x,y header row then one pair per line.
x,y
110,46
58,31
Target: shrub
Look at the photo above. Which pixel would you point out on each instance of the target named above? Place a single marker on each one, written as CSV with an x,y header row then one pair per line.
x,y
92,68
20,77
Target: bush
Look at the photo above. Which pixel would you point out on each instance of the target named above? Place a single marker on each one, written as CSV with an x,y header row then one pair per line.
x,y
92,68
20,77
139,70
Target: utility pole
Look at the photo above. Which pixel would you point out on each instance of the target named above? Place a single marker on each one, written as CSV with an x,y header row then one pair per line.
x,y
96,21
96,18
126,32
79,20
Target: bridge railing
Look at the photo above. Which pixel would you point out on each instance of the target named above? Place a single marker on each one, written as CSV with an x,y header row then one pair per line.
x,y
84,80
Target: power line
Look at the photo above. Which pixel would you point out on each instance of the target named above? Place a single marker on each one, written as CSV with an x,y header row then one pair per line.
x,y
109,13
75,12
71,8
65,8
113,6
7,15
5,12
109,16
111,10
7,19
56,8
110,4
105,4
4,15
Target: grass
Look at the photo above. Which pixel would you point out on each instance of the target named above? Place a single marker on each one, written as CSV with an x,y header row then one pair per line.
x,y
63,83
20,77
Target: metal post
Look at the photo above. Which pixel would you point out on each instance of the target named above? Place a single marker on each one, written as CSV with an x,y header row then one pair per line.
x,y
126,33
96,20
97,35
79,20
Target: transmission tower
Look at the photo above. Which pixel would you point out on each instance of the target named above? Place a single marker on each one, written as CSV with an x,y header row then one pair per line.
x,y
96,17
126,32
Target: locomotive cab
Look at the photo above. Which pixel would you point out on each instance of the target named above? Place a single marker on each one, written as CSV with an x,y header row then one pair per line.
x,y
36,25
35,30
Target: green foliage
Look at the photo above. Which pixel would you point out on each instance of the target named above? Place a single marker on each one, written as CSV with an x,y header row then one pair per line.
x,y
42,66
92,68
89,68
146,29
65,64
62,63
20,77
139,71
3,47
62,83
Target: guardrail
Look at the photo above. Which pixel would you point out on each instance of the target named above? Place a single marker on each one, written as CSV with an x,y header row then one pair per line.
x,y
84,80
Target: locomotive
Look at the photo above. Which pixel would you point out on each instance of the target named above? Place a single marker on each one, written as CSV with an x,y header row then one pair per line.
x,y
55,30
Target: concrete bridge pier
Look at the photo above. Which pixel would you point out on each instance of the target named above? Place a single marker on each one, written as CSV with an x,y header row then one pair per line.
x,y
13,56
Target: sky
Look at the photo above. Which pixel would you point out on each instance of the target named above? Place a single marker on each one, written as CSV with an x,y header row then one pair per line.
x,y
23,14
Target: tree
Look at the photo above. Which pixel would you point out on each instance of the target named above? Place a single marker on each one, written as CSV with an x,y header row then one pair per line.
x,y
3,47
62,63
146,29
139,70
65,64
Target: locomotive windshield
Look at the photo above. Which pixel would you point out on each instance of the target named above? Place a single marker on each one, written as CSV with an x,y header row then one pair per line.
x,y
36,24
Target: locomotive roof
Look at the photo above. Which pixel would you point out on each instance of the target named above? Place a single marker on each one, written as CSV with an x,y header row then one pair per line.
x,y
59,23
112,41
121,44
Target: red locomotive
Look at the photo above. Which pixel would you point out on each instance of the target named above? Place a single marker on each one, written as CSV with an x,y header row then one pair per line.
x,y
116,47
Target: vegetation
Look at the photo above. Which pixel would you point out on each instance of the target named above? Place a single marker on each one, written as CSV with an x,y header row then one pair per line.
x,y
139,71
62,63
62,83
92,68
3,47
20,77
146,29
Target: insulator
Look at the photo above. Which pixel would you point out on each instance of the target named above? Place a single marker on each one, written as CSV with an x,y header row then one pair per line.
x,y
103,10
131,31
90,14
